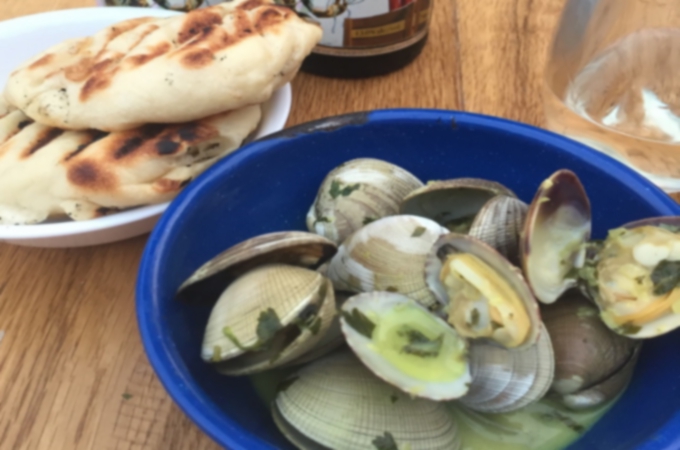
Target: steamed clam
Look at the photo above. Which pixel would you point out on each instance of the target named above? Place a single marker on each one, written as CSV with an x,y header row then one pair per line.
x,y
356,193
268,317
634,278
506,380
387,255
554,236
407,346
453,203
486,296
273,308
336,403
588,355
499,224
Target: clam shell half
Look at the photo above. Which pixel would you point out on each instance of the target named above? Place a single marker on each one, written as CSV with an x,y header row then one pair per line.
x,y
406,345
452,203
555,232
506,380
358,192
336,403
295,248
387,255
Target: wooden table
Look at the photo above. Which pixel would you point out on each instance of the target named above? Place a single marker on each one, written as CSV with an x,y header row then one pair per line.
x,y
73,374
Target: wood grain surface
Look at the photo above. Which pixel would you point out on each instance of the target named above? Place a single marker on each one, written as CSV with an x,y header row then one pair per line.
x,y
73,374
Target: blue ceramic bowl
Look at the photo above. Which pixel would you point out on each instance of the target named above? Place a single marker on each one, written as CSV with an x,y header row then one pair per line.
x,y
270,185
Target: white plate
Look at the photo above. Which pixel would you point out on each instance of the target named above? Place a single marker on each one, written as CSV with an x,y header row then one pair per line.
x,y
22,38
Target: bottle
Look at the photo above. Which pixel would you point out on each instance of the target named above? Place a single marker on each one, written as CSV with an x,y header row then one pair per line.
x,y
364,38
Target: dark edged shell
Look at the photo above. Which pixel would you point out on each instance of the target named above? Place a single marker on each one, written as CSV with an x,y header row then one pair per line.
x,y
296,248
556,230
453,203
587,352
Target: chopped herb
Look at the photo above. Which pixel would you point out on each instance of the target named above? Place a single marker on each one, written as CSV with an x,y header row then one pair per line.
x,y
385,442
419,344
368,220
640,279
234,340
394,398
629,328
666,277
322,219
268,324
127,396
337,190
391,289
357,320
474,317
616,233
285,384
460,225
217,353
419,231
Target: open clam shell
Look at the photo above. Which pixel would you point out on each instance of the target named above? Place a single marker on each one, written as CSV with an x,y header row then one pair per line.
x,y
486,296
452,203
387,255
636,278
295,248
499,223
336,403
268,317
555,232
506,380
406,345
356,193
586,351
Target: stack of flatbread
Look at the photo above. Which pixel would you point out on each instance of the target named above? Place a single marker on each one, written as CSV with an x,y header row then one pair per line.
x,y
130,115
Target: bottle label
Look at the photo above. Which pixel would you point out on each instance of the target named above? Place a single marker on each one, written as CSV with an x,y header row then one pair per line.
x,y
366,27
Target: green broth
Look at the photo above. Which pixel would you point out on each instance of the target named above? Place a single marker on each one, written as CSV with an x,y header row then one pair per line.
x,y
544,425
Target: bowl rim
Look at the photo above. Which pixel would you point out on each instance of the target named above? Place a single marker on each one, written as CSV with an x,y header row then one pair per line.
x,y
281,98
161,352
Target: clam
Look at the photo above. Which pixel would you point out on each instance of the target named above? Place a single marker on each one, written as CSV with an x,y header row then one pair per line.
x,y
406,345
356,193
587,353
634,278
387,255
604,391
555,232
499,224
295,248
506,380
268,317
336,403
486,296
452,203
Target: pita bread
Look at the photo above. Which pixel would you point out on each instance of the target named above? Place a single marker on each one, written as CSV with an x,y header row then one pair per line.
x,y
169,70
47,171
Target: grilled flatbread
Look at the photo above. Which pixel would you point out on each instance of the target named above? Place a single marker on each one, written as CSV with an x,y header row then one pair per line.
x,y
47,172
168,70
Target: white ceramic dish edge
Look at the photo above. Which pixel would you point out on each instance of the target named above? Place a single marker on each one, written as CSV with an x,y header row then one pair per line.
x,y
125,224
